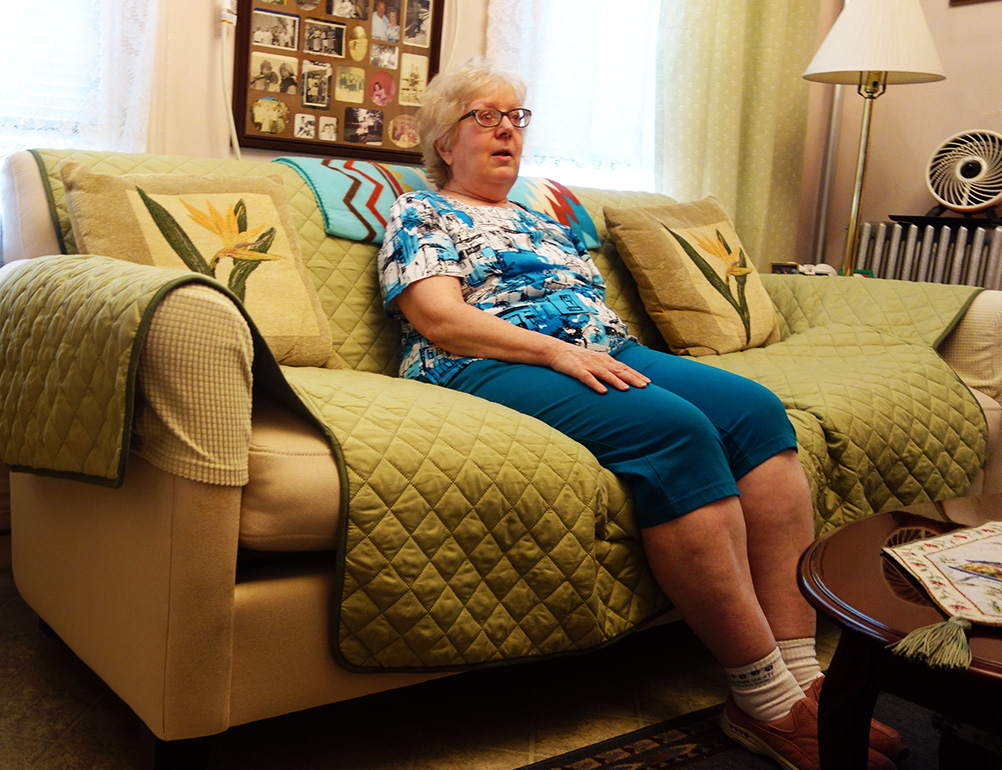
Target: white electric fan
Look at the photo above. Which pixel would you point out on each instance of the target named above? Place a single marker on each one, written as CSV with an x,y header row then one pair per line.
x,y
965,174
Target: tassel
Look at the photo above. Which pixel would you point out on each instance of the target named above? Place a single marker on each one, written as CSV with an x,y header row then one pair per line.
x,y
941,645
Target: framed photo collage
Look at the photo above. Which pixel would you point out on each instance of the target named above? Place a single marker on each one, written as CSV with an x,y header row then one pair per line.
x,y
334,77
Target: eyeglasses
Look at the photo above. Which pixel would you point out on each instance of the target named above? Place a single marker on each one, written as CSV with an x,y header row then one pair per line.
x,y
488,117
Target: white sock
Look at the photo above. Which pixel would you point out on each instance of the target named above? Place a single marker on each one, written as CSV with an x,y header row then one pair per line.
x,y
801,658
765,690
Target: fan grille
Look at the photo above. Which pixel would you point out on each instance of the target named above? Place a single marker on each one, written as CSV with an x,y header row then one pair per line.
x,y
965,173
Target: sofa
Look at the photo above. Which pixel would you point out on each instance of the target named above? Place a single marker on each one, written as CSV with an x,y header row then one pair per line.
x,y
224,538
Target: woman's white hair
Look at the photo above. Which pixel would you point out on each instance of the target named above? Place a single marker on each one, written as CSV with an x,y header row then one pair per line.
x,y
446,98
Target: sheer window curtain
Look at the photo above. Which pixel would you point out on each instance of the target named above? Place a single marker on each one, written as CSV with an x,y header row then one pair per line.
x,y
688,97
76,73
593,116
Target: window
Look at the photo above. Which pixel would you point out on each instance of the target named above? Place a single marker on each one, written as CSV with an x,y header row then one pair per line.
x,y
593,115
76,74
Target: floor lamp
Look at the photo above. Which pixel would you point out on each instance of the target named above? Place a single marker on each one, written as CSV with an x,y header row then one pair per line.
x,y
873,44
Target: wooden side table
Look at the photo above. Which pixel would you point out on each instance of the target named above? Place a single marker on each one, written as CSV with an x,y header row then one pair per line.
x,y
845,576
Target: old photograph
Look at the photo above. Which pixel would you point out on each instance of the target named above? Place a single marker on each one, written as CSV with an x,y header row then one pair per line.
x,y
269,115
358,43
382,89
363,126
384,56
305,126
328,128
413,79
317,84
386,20
272,72
403,131
417,25
275,30
349,9
350,85
323,38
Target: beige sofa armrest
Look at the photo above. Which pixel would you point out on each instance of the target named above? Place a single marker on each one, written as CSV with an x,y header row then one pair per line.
x,y
139,582
973,348
27,219
194,418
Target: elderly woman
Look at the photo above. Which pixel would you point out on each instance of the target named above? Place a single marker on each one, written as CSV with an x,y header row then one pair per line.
x,y
504,303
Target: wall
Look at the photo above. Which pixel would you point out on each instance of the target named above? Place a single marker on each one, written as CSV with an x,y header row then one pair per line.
x,y
911,121
189,111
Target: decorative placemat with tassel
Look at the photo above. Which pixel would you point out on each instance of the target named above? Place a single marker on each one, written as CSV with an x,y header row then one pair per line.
x,y
962,573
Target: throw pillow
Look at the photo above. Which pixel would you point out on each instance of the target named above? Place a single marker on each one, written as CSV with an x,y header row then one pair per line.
x,y
236,229
355,196
558,202
694,276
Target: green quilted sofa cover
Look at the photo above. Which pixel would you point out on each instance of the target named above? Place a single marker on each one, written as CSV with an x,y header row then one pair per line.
x,y
472,535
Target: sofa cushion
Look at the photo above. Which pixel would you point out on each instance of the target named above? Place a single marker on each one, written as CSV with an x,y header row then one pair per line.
x,y
694,277
235,229
293,499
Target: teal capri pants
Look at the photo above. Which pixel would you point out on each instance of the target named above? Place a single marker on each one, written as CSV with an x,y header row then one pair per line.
x,y
682,442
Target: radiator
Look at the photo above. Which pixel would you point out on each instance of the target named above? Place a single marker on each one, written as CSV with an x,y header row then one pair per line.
x,y
962,255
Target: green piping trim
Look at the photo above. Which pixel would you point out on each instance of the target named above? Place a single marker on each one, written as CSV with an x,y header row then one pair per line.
x,y
956,319
53,211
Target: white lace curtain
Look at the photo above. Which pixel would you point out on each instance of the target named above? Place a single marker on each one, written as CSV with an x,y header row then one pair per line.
x,y
686,97
76,73
593,115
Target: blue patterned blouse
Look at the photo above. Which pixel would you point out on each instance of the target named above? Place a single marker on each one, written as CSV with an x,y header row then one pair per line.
x,y
517,264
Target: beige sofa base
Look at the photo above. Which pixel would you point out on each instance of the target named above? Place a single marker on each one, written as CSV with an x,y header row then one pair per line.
x,y
141,583
289,606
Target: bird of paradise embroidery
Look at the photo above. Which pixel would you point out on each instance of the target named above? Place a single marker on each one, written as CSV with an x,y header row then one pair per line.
x,y
246,247
733,267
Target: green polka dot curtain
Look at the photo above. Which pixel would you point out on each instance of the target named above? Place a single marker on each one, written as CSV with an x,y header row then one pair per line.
x,y
732,112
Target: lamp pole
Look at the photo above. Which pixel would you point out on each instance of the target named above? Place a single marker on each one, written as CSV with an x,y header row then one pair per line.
x,y
871,85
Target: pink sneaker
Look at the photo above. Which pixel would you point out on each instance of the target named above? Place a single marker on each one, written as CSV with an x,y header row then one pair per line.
x,y
792,741
884,739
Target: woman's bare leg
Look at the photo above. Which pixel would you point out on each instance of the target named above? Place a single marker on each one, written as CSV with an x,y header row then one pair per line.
x,y
779,516
731,567
700,560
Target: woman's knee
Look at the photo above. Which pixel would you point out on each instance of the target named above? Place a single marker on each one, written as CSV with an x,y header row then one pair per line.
x,y
682,429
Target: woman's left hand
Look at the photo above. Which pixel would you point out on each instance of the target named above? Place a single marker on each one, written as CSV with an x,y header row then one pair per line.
x,y
596,370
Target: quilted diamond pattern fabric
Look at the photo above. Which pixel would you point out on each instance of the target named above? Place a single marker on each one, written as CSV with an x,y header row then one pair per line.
x,y
70,350
474,533
621,293
882,421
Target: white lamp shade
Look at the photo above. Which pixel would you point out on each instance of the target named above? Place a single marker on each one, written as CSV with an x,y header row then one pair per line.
x,y
877,36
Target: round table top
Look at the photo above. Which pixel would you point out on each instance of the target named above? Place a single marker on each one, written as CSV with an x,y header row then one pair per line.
x,y
845,576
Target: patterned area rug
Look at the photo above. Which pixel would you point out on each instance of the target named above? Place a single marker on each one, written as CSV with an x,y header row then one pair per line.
x,y
694,741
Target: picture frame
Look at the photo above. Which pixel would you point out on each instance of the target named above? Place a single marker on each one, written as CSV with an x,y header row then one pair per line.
x,y
334,77
969,2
